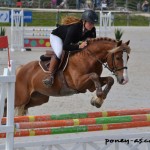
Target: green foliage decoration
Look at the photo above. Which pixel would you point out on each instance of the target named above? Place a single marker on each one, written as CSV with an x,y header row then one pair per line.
x,y
2,31
118,34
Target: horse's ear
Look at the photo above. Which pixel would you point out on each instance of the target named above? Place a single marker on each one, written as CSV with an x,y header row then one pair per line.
x,y
119,43
127,43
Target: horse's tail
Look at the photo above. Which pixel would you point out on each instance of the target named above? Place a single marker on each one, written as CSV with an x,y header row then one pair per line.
x,y
68,20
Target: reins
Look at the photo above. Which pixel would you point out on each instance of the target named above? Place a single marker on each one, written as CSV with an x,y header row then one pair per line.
x,y
105,65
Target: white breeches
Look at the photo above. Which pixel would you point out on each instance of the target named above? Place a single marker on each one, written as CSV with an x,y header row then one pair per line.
x,y
56,44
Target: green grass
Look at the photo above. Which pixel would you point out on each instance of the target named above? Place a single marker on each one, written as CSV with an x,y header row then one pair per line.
x,y
50,19
121,20
43,19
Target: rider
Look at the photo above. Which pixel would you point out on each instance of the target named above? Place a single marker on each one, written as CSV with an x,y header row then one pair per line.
x,y
67,36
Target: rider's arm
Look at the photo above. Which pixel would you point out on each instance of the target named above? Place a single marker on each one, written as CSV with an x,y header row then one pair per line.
x,y
68,44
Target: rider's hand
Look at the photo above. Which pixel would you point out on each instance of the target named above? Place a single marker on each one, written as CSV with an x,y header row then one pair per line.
x,y
82,45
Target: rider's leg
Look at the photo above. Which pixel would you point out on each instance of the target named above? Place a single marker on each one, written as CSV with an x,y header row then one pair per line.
x,y
57,46
54,63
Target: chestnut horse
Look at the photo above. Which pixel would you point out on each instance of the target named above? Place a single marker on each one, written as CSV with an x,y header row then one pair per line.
x,y
82,73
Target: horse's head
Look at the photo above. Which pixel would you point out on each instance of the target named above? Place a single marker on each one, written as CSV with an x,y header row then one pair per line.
x,y
115,54
117,61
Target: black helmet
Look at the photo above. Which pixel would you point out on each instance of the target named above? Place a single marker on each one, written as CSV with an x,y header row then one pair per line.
x,y
90,16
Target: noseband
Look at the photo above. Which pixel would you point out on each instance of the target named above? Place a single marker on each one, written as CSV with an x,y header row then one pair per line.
x,y
114,69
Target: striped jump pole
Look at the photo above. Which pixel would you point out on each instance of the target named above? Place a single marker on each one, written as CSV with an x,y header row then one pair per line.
x,y
49,131
84,121
79,115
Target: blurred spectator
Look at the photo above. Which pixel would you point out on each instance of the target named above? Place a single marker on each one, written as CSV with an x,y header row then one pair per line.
x,y
108,2
80,4
145,6
62,4
138,6
18,3
101,4
104,4
58,2
54,3
89,4
97,4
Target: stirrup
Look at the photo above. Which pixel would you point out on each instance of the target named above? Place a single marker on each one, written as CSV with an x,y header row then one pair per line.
x,y
49,82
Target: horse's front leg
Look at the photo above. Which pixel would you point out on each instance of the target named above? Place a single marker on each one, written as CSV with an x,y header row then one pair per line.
x,y
102,94
108,81
85,81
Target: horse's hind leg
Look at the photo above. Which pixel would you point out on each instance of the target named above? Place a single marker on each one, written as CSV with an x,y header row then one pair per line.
x,y
36,100
20,103
20,111
22,95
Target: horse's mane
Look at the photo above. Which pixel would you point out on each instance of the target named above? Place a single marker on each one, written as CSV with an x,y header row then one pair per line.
x,y
115,49
101,39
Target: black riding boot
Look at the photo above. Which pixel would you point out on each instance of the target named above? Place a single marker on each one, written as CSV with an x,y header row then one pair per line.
x,y
54,63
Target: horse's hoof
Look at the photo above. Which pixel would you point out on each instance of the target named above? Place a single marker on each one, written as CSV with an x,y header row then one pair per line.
x,y
97,102
96,105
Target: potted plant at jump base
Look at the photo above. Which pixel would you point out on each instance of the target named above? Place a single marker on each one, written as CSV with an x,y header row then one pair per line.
x,y
118,34
3,39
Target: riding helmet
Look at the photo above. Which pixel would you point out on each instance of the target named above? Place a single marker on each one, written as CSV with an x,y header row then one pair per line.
x,y
90,16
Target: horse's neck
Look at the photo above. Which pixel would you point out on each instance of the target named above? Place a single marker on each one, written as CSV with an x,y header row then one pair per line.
x,y
101,48
98,49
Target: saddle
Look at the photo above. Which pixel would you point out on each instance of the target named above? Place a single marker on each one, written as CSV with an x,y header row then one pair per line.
x,y
45,60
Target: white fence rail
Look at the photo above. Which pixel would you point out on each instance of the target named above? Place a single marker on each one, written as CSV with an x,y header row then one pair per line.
x,y
17,30
7,81
131,141
105,23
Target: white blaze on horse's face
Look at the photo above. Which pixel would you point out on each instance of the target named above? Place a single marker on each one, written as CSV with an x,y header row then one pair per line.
x,y
125,72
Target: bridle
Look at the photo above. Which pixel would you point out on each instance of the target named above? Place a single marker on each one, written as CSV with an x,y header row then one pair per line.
x,y
114,69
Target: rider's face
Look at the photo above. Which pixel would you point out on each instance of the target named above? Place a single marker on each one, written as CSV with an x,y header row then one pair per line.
x,y
89,25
